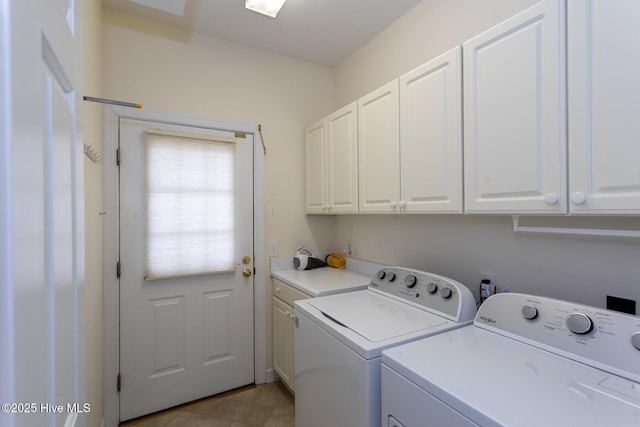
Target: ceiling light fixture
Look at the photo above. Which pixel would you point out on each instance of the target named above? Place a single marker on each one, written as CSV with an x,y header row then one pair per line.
x,y
265,7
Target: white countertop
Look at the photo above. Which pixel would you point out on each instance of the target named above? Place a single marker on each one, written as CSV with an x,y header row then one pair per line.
x,y
325,280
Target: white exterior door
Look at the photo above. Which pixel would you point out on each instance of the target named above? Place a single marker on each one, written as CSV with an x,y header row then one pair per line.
x,y
379,150
604,129
181,338
514,114
41,214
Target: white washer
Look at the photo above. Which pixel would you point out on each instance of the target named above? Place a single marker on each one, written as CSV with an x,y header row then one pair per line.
x,y
526,361
338,341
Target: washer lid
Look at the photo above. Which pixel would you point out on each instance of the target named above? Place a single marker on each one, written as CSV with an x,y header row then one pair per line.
x,y
376,317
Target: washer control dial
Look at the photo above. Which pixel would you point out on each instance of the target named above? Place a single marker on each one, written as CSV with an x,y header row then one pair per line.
x,y
410,281
446,293
529,312
579,323
635,340
432,288
391,276
381,274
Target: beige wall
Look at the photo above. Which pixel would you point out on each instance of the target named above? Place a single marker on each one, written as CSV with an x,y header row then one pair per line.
x,y
93,303
163,67
581,269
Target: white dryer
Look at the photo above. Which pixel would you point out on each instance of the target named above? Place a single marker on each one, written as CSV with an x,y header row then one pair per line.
x,y
338,341
527,361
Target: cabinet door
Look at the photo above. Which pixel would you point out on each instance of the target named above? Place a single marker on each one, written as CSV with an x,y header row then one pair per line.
x,y
379,151
431,136
283,341
315,168
514,114
604,116
342,164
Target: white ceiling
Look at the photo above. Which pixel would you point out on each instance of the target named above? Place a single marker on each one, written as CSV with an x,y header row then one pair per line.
x,y
324,32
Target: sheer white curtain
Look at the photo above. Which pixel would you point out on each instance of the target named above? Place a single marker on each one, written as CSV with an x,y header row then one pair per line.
x,y
190,206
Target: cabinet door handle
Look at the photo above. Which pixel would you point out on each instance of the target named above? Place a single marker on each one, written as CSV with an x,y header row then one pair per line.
x,y
578,198
551,199
402,204
392,205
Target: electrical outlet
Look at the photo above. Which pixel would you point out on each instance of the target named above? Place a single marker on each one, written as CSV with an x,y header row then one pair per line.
x,y
489,276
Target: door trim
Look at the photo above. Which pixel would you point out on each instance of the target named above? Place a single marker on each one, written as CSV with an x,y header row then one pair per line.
x,y
111,117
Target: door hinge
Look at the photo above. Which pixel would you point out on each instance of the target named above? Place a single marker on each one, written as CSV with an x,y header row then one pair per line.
x,y
241,135
119,382
118,156
118,269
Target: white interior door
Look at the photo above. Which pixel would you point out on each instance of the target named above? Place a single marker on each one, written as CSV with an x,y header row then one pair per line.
x,y
182,338
41,214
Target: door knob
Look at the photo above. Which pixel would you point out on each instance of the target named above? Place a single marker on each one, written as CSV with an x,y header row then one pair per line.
x,y
246,259
246,272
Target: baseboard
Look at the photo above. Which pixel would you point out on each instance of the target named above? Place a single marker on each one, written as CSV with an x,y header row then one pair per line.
x,y
272,376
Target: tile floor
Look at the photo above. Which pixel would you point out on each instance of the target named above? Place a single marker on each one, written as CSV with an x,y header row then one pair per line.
x,y
265,405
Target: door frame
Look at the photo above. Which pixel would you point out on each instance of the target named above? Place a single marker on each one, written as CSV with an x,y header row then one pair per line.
x,y
111,117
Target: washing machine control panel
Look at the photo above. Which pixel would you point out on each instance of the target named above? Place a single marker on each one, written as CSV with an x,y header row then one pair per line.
x,y
603,338
429,291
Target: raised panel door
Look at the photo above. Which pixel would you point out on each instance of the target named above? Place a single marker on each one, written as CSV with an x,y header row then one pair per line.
x,y
379,150
342,163
283,341
431,136
604,129
315,168
514,114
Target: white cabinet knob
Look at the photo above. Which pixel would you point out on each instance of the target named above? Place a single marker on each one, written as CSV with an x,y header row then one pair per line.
x,y
402,204
578,198
551,199
392,205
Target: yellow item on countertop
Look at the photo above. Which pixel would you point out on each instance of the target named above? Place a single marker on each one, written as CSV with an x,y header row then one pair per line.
x,y
335,260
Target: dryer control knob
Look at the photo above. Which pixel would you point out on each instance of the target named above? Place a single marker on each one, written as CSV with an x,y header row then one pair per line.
x,y
381,274
635,340
445,293
529,312
432,288
410,281
579,323
391,277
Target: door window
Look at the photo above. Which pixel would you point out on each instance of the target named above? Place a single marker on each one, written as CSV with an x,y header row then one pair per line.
x,y
190,204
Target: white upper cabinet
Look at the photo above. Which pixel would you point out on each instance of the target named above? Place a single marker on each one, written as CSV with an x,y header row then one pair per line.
x,y
379,150
342,165
515,114
331,169
604,114
431,136
315,168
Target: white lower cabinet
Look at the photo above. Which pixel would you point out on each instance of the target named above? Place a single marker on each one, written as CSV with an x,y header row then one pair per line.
x,y
604,116
283,298
514,114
